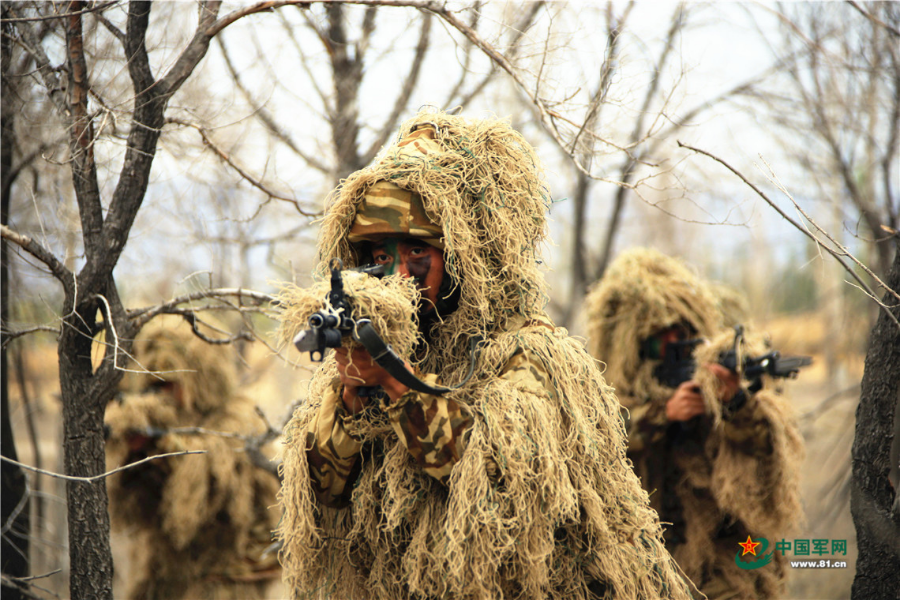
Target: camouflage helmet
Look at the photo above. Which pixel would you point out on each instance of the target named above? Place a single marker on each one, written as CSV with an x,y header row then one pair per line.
x,y
387,210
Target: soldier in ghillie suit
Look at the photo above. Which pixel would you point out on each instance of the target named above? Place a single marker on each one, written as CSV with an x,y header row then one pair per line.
x,y
722,461
513,485
198,525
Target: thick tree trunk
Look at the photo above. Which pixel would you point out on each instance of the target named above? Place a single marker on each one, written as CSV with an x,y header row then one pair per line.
x,y
877,528
90,555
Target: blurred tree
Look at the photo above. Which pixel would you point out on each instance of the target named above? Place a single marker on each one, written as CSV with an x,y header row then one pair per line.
x,y
836,110
873,501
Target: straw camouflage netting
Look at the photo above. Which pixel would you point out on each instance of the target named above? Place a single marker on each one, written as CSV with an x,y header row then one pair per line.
x,y
719,480
534,499
197,525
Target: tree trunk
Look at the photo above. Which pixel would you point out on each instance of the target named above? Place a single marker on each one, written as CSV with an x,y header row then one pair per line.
x,y
877,528
14,490
90,555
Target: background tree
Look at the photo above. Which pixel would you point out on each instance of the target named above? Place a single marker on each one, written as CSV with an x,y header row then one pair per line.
x,y
873,501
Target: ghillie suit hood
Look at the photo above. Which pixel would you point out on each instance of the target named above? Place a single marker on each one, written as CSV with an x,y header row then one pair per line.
x,y
718,479
197,525
542,500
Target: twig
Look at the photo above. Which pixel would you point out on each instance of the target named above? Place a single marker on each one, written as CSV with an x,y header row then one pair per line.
x,y
56,267
191,317
802,229
24,588
207,141
873,18
62,16
142,315
9,335
34,577
843,248
102,475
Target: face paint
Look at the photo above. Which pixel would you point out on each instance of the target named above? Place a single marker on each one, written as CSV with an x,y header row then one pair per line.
x,y
386,252
413,258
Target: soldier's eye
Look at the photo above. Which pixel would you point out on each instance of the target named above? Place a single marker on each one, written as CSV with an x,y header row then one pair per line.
x,y
382,258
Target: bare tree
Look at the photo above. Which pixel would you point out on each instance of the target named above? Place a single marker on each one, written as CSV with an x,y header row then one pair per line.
x,y
837,107
91,299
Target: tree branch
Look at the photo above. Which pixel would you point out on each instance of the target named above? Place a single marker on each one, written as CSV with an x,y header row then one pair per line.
x,y
894,31
195,51
8,335
81,141
260,111
97,8
57,268
837,256
142,315
207,141
405,93
102,475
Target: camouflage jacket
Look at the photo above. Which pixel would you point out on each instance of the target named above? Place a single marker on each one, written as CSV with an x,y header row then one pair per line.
x,y
432,428
713,484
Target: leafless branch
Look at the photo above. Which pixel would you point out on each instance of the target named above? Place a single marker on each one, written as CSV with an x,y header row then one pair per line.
x,y
894,31
194,52
838,256
191,317
843,249
8,336
24,587
97,8
270,123
406,90
102,475
142,315
207,141
59,270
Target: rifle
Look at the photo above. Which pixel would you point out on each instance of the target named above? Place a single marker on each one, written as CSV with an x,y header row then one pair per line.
x,y
678,364
329,326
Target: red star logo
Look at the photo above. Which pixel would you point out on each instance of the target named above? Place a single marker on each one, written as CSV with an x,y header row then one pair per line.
x,y
749,546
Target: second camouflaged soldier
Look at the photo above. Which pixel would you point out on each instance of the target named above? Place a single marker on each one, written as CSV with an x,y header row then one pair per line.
x,y
721,461
198,526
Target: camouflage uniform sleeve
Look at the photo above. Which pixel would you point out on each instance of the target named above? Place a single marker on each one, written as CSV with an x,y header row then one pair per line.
x,y
432,428
332,452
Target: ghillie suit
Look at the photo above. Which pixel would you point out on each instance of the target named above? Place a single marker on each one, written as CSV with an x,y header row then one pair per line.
x,y
717,478
731,303
198,525
516,484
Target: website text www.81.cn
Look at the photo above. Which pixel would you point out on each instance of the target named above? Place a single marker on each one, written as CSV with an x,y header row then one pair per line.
x,y
819,564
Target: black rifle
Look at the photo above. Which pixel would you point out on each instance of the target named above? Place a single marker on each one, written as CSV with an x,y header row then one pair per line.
x,y
329,326
678,363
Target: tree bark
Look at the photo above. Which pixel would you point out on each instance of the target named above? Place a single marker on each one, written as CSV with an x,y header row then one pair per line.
x,y
877,528
15,502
